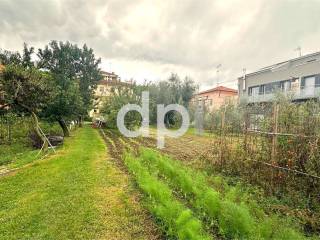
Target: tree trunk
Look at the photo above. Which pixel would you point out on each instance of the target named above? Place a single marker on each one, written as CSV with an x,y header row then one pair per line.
x,y
64,127
80,121
37,131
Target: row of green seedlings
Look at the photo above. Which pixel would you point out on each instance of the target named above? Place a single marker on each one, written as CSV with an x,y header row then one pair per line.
x,y
232,219
176,221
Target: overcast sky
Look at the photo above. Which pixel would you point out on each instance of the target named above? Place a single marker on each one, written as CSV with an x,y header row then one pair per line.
x,y
149,39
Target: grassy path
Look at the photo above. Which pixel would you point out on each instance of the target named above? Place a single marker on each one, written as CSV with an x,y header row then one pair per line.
x,y
79,193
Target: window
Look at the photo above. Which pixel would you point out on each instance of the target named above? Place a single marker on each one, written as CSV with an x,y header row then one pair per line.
x,y
268,88
254,91
261,89
272,87
308,82
276,86
285,85
317,83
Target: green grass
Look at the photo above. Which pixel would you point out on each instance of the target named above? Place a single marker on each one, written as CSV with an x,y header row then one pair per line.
x,y
77,193
54,199
17,154
20,152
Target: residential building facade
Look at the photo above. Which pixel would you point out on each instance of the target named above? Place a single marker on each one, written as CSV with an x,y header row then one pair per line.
x,y
104,88
215,98
298,77
110,76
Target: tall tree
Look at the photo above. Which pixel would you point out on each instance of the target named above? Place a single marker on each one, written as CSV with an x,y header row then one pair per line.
x,y
171,91
76,72
89,75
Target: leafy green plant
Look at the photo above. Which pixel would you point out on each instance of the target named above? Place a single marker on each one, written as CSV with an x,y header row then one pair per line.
x,y
178,221
233,216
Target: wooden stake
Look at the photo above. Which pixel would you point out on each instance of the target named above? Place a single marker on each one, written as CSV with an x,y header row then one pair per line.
x,y
275,131
222,135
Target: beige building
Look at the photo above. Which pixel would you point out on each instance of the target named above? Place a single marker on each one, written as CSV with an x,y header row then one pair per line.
x,y
216,97
103,90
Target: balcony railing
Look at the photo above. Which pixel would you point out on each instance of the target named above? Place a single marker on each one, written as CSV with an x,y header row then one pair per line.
x,y
301,93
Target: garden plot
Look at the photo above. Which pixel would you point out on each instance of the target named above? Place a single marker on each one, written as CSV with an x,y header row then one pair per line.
x,y
202,152
224,212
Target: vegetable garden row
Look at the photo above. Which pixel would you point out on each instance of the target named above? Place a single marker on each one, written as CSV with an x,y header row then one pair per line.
x,y
186,205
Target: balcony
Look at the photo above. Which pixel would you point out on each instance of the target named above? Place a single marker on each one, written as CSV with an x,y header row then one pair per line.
x,y
298,94
308,92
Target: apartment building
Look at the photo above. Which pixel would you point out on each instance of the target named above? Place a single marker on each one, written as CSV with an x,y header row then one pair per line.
x,y
104,88
298,77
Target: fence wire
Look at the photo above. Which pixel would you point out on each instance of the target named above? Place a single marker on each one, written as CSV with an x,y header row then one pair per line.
x,y
274,144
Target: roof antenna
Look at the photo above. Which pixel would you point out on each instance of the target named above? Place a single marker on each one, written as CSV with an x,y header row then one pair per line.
x,y
299,50
218,70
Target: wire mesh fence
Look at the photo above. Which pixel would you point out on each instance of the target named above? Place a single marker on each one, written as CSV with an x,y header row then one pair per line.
x,y
275,145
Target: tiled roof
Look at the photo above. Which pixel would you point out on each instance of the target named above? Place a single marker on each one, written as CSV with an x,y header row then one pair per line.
x,y
220,88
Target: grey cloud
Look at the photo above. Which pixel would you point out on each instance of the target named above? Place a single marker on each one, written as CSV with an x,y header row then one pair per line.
x,y
185,34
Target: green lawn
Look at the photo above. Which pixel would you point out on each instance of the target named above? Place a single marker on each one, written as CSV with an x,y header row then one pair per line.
x,y
69,195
